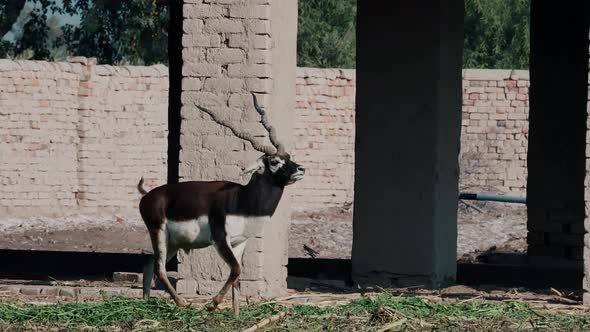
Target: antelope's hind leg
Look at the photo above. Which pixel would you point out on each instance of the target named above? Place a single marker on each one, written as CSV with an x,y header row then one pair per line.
x,y
148,272
161,255
148,276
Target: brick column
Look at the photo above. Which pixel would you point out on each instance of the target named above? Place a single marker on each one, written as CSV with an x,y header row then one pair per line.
x,y
557,130
586,249
232,48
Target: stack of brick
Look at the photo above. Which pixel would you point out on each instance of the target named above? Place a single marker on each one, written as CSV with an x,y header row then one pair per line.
x,y
77,137
324,137
227,55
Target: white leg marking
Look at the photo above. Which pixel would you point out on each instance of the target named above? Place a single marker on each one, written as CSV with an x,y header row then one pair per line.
x,y
162,247
238,251
162,258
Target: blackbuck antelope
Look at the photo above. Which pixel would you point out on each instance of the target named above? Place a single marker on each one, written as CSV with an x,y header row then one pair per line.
x,y
198,214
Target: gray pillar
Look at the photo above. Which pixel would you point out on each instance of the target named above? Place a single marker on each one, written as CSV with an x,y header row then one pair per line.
x,y
408,110
557,131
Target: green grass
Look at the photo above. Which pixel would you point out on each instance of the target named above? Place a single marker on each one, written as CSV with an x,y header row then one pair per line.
x,y
367,314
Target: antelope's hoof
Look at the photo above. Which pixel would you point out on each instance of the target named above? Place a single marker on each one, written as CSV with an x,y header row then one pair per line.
x,y
182,303
211,306
214,303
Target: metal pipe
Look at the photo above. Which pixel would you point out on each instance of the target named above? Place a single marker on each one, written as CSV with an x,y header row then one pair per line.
x,y
492,197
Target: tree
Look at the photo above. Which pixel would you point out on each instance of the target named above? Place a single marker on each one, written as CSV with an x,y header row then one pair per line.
x,y
33,32
496,34
326,35
9,12
116,32
136,31
34,36
133,32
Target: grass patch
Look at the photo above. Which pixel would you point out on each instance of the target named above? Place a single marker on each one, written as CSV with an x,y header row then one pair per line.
x,y
368,314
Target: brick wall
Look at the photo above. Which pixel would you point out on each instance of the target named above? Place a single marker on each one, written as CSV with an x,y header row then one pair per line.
x,y
76,137
494,135
73,131
493,139
122,125
324,137
38,136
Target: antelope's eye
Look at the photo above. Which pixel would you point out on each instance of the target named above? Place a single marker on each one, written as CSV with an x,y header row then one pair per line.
x,y
274,162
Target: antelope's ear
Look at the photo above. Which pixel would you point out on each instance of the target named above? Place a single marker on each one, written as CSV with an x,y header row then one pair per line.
x,y
257,166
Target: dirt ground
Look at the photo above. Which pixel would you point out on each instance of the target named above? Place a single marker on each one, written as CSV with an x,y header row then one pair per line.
x,y
107,233
485,226
324,234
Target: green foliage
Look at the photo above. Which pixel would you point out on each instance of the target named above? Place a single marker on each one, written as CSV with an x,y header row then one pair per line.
x,y
115,32
6,48
134,32
496,34
35,32
326,35
9,11
34,35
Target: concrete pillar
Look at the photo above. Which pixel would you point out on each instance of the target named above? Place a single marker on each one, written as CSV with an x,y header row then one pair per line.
x,y
557,132
407,142
558,197
232,48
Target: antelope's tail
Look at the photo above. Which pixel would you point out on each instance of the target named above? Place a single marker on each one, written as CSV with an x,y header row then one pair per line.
x,y
140,187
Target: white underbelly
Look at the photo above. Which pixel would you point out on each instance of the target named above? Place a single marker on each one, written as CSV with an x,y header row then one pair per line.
x,y
196,233
189,234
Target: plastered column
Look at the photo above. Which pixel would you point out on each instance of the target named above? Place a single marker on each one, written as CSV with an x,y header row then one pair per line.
x,y
230,49
408,128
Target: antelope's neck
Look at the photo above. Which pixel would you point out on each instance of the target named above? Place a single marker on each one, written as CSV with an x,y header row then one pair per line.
x,y
260,197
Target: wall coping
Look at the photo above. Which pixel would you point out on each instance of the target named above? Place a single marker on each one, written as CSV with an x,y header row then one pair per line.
x,y
495,74
77,64
328,73
467,74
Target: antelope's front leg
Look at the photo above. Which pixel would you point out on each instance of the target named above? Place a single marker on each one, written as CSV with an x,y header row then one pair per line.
x,y
238,251
224,250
